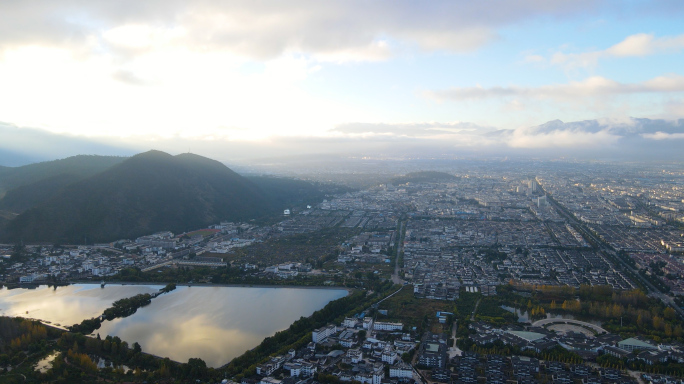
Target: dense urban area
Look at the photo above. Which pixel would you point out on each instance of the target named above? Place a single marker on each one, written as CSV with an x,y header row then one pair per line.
x,y
559,273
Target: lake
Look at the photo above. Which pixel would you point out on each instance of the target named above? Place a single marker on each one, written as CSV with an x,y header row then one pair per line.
x,y
215,324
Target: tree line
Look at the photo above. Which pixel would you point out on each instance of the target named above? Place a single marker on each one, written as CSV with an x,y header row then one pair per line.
x,y
120,308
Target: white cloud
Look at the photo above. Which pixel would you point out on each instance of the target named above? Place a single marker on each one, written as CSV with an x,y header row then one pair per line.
x,y
410,129
663,136
602,137
176,92
534,59
592,86
530,138
641,44
345,30
168,66
554,134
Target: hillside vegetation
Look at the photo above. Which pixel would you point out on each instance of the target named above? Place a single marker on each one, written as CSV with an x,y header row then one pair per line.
x,y
149,192
80,167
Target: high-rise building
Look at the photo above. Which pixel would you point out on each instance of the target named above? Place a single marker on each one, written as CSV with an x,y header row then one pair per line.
x,y
542,202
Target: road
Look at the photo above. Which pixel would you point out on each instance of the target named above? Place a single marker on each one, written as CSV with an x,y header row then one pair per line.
x,y
395,276
603,247
454,351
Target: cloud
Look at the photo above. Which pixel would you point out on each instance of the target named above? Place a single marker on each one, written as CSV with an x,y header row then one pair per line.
x,y
22,145
626,138
352,30
592,86
663,136
130,78
637,45
534,59
603,137
532,138
412,129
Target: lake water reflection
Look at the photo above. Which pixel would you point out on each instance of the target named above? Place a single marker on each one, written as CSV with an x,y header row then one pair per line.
x,y
213,323
66,305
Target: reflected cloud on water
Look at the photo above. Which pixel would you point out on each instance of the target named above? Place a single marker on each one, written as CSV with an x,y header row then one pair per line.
x,y
216,324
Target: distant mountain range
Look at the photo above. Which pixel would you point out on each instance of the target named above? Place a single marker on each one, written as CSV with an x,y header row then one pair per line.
x,y
69,201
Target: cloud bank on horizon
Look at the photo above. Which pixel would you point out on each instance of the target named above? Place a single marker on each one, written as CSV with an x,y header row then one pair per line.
x,y
283,75
606,139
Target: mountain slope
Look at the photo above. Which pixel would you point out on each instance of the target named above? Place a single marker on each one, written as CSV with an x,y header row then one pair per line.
x,y
148,192
27,196
81,166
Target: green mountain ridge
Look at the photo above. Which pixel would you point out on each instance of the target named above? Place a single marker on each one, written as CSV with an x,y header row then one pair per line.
x,y
143,194
80,166
24,197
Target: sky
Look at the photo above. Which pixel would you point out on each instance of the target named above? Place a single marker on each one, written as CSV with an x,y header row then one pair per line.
x,y
254,75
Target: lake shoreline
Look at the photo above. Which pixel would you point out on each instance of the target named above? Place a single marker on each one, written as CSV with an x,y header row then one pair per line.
x,y
350,290
215,325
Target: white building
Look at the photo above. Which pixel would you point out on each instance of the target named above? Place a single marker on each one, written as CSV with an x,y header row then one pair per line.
x,y
320,334
542,202
349,322
269,380
631,344
101,271
26,279
355,355
300,368
308,369
266,369
382,326
401,370
378,375
388,356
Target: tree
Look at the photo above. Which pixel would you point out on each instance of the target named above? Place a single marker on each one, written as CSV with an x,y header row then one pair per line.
x,y
658,322
197,368
669,313
18,253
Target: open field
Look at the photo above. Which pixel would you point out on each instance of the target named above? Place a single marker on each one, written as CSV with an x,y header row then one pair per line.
x,y
203,232
412,311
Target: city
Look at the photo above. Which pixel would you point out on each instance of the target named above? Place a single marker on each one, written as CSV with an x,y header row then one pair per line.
x,y
342,192
502,256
